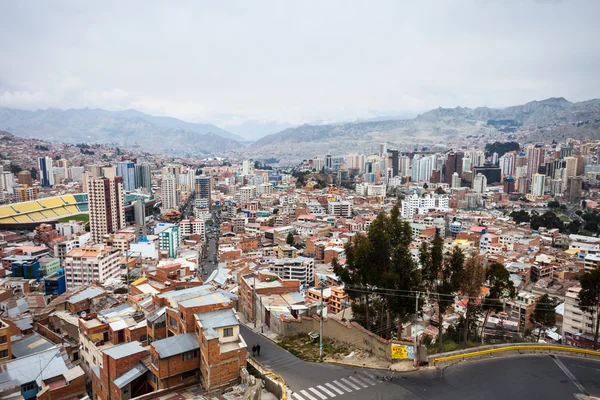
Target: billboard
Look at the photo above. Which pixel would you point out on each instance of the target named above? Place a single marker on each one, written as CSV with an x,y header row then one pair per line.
x,y
402,351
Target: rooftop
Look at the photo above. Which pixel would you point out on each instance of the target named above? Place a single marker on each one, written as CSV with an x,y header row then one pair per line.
x,y
86,294
177,344
125,350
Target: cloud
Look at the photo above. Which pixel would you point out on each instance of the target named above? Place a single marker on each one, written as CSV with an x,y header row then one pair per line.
x,y
294,62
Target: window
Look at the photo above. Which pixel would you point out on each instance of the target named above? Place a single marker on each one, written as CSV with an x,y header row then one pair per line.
x,y
188,355
2,339
227,332
203,341
188,374
28,386
154,361
172,321
3,353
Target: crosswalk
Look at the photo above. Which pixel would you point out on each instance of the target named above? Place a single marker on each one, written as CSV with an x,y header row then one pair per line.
x,y
338,387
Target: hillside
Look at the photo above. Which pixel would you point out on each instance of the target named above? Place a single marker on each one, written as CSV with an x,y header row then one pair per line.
x,y
441,126
106,127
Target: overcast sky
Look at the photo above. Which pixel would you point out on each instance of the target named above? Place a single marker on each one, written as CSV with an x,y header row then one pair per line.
x,y
295,61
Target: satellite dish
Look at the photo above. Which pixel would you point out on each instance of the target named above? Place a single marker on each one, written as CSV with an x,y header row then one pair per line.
x,y
83,314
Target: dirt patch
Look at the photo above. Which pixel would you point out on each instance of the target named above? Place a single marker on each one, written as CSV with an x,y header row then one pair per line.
x,y
306,349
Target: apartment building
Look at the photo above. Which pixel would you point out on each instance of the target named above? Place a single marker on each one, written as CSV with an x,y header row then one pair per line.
x,y
578,326
89,264
107,213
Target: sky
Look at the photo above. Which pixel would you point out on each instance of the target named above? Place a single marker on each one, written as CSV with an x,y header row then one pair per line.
x,y
243,63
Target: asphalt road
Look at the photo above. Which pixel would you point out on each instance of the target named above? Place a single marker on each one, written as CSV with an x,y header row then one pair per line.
x,y
524,377
210,262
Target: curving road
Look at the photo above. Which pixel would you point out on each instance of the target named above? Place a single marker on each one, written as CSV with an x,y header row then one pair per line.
x,y
515,377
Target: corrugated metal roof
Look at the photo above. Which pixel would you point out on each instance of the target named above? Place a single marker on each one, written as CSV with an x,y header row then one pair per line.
x,y
138,370
216,319
176,345
124,350
31,344
36,367
88,293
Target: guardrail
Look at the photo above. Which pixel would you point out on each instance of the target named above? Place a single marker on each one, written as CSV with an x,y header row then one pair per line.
x,y
521,349
269,375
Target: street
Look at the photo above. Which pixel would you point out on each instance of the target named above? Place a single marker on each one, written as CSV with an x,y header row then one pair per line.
x,y
210,262
517,377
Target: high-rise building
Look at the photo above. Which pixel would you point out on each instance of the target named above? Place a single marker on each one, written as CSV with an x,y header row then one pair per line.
x,y
169,238
246,167
139,214
24,178
203,191
574,185
570,168
76,174
143,177
46,171
168,191
94,171
107,212
383,150
453,164
126,170
456,181
328,162
507,164
509,184
317,164
491,172
495,158
535,158
538,183
8,182
393,161
479,183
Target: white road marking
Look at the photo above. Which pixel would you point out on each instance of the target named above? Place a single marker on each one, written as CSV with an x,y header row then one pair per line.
x,y
364,378
315,391
346,388
329,392
329,385
347,382
308,396
361,383
569,375
297,396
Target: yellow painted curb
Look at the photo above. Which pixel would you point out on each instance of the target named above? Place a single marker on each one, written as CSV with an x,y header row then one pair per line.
x,y
513,348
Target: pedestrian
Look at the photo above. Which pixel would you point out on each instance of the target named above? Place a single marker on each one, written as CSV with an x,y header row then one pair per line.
x,y
253,350
258,349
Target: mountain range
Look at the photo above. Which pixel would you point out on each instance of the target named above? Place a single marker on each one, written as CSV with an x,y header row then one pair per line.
x,y
553,118
444,127
129,128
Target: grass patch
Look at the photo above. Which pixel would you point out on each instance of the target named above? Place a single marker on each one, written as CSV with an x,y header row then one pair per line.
x,y
302,347
79,217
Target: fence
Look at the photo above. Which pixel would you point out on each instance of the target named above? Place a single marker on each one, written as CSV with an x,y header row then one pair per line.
x,y
273,382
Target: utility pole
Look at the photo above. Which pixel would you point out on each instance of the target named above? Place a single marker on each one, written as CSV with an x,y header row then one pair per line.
x,y
253,301
415,358
321,326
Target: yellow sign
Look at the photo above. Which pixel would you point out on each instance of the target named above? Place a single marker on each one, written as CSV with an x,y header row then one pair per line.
x,y
400,351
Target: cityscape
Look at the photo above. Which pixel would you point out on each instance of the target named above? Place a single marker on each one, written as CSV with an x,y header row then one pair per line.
x,y
436,252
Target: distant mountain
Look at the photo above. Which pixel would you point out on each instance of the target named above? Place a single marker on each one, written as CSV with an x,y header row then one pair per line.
x,y
170,122
119,128
438,127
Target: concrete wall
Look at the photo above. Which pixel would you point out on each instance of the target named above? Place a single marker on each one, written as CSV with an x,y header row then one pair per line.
x,y
333,328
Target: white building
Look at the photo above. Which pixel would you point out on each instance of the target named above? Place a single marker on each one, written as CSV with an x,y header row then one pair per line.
x,y
577,324
247,193
70,228
456,181
168,192
414,204
339,208
301,268
538,182
480,183
88,264
192,226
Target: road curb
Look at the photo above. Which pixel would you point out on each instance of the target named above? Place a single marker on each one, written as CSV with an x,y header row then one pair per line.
x,y
369,367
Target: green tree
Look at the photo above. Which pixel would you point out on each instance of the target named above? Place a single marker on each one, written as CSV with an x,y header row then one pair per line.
x,y
440,276
290,239
501,288
589,298
544,315
471,280
520,216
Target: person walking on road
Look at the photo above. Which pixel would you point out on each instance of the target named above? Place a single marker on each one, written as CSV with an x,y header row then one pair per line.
x,y
258,349
253,350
